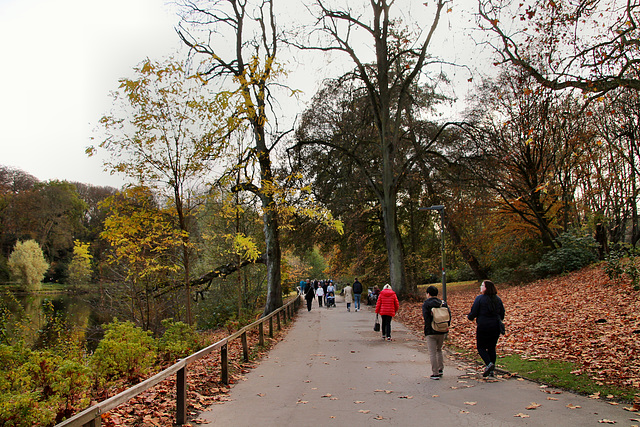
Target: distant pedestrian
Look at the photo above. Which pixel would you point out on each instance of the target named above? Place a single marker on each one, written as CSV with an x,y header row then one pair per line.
x,y
320,295
387,307
488,312
357,291
435,339
309,295
325,286
348,296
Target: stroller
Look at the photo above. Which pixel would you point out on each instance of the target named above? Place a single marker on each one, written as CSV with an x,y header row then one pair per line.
x,y
331,300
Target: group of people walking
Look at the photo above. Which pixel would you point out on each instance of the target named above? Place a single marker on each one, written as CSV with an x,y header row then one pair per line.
x,y
487,311
322,290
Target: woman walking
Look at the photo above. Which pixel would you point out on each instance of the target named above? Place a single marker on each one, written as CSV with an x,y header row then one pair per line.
x,y
386,307
488,312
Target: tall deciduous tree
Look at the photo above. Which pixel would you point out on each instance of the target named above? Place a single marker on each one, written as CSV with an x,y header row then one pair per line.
x,y
144,244
244,55
165,133
530,152
399,61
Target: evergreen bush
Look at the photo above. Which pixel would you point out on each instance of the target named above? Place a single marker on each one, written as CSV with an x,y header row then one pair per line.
x,y
574,253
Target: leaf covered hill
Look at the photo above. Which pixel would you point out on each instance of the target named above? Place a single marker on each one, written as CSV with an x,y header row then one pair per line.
x,y
583,317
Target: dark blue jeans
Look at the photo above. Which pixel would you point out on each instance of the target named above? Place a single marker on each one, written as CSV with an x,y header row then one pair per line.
x,y
356,301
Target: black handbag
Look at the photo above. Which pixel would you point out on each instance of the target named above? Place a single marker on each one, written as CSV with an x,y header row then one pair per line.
x,y
376,325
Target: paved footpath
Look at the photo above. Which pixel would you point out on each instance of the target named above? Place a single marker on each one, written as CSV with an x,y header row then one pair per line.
x,y
332,369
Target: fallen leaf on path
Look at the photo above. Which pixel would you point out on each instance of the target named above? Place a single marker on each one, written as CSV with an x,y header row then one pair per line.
x,y
334,398
435,395
358,401
405,397
595,395
552,398
379,417
364,411
606,421
326,395
521,415
571,406
261,394
533,405
388,391
462,411
302,401
471,403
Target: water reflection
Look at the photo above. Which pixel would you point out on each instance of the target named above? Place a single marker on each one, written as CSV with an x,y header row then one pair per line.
x,y
43,320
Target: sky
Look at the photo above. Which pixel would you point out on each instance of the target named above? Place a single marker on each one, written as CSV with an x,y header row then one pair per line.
x,y
60,59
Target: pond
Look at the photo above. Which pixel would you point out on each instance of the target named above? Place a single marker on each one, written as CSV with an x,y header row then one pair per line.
x,y
41,319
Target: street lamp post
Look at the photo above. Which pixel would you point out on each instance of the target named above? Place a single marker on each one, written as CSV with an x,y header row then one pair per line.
x,y
440,209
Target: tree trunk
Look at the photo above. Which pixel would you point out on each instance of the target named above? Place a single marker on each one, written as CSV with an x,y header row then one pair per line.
x,y
393,241
474,264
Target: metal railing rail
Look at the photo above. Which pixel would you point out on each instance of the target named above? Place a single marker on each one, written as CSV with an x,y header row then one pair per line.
x,y
91,417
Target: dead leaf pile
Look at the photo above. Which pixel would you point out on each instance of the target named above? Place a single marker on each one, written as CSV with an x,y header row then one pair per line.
x,y
581,317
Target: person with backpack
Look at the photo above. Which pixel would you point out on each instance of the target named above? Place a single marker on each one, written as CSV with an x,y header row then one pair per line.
x,y
437,319
488,312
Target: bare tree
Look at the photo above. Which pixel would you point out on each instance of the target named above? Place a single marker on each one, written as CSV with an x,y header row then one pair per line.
x,y
240,41
585,44
400,59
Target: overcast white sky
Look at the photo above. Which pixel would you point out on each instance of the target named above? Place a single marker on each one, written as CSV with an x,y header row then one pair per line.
x,y
59,59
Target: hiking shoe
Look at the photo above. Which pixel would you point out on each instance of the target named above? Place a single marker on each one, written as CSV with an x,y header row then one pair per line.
x,y
388,338
488,369
435,377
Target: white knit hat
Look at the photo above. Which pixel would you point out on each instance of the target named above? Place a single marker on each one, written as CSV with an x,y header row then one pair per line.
x,y
387,286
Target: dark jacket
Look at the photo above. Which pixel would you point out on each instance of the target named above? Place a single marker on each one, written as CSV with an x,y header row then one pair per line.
x,y
486,310
357,287
426,314
310,293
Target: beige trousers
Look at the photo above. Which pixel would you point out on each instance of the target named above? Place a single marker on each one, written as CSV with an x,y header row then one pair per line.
x,y
434,345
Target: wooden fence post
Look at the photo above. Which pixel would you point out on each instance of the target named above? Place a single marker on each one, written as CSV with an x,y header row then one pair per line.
x,y
278,319
224,365
245,347
261,333
271,327
181,396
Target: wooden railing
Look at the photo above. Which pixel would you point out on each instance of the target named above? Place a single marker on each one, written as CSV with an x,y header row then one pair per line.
x,y
91,417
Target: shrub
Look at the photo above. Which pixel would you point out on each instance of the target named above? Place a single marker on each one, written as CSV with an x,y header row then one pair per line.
x,y
39,387
514,276
179,340
574,253
622,261
126,351
27,264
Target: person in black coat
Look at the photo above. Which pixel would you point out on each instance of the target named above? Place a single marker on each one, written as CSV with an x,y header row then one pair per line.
x,y
488,312
309,295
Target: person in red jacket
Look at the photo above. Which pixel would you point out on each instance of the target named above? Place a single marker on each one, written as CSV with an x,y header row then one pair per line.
x,y
386,307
